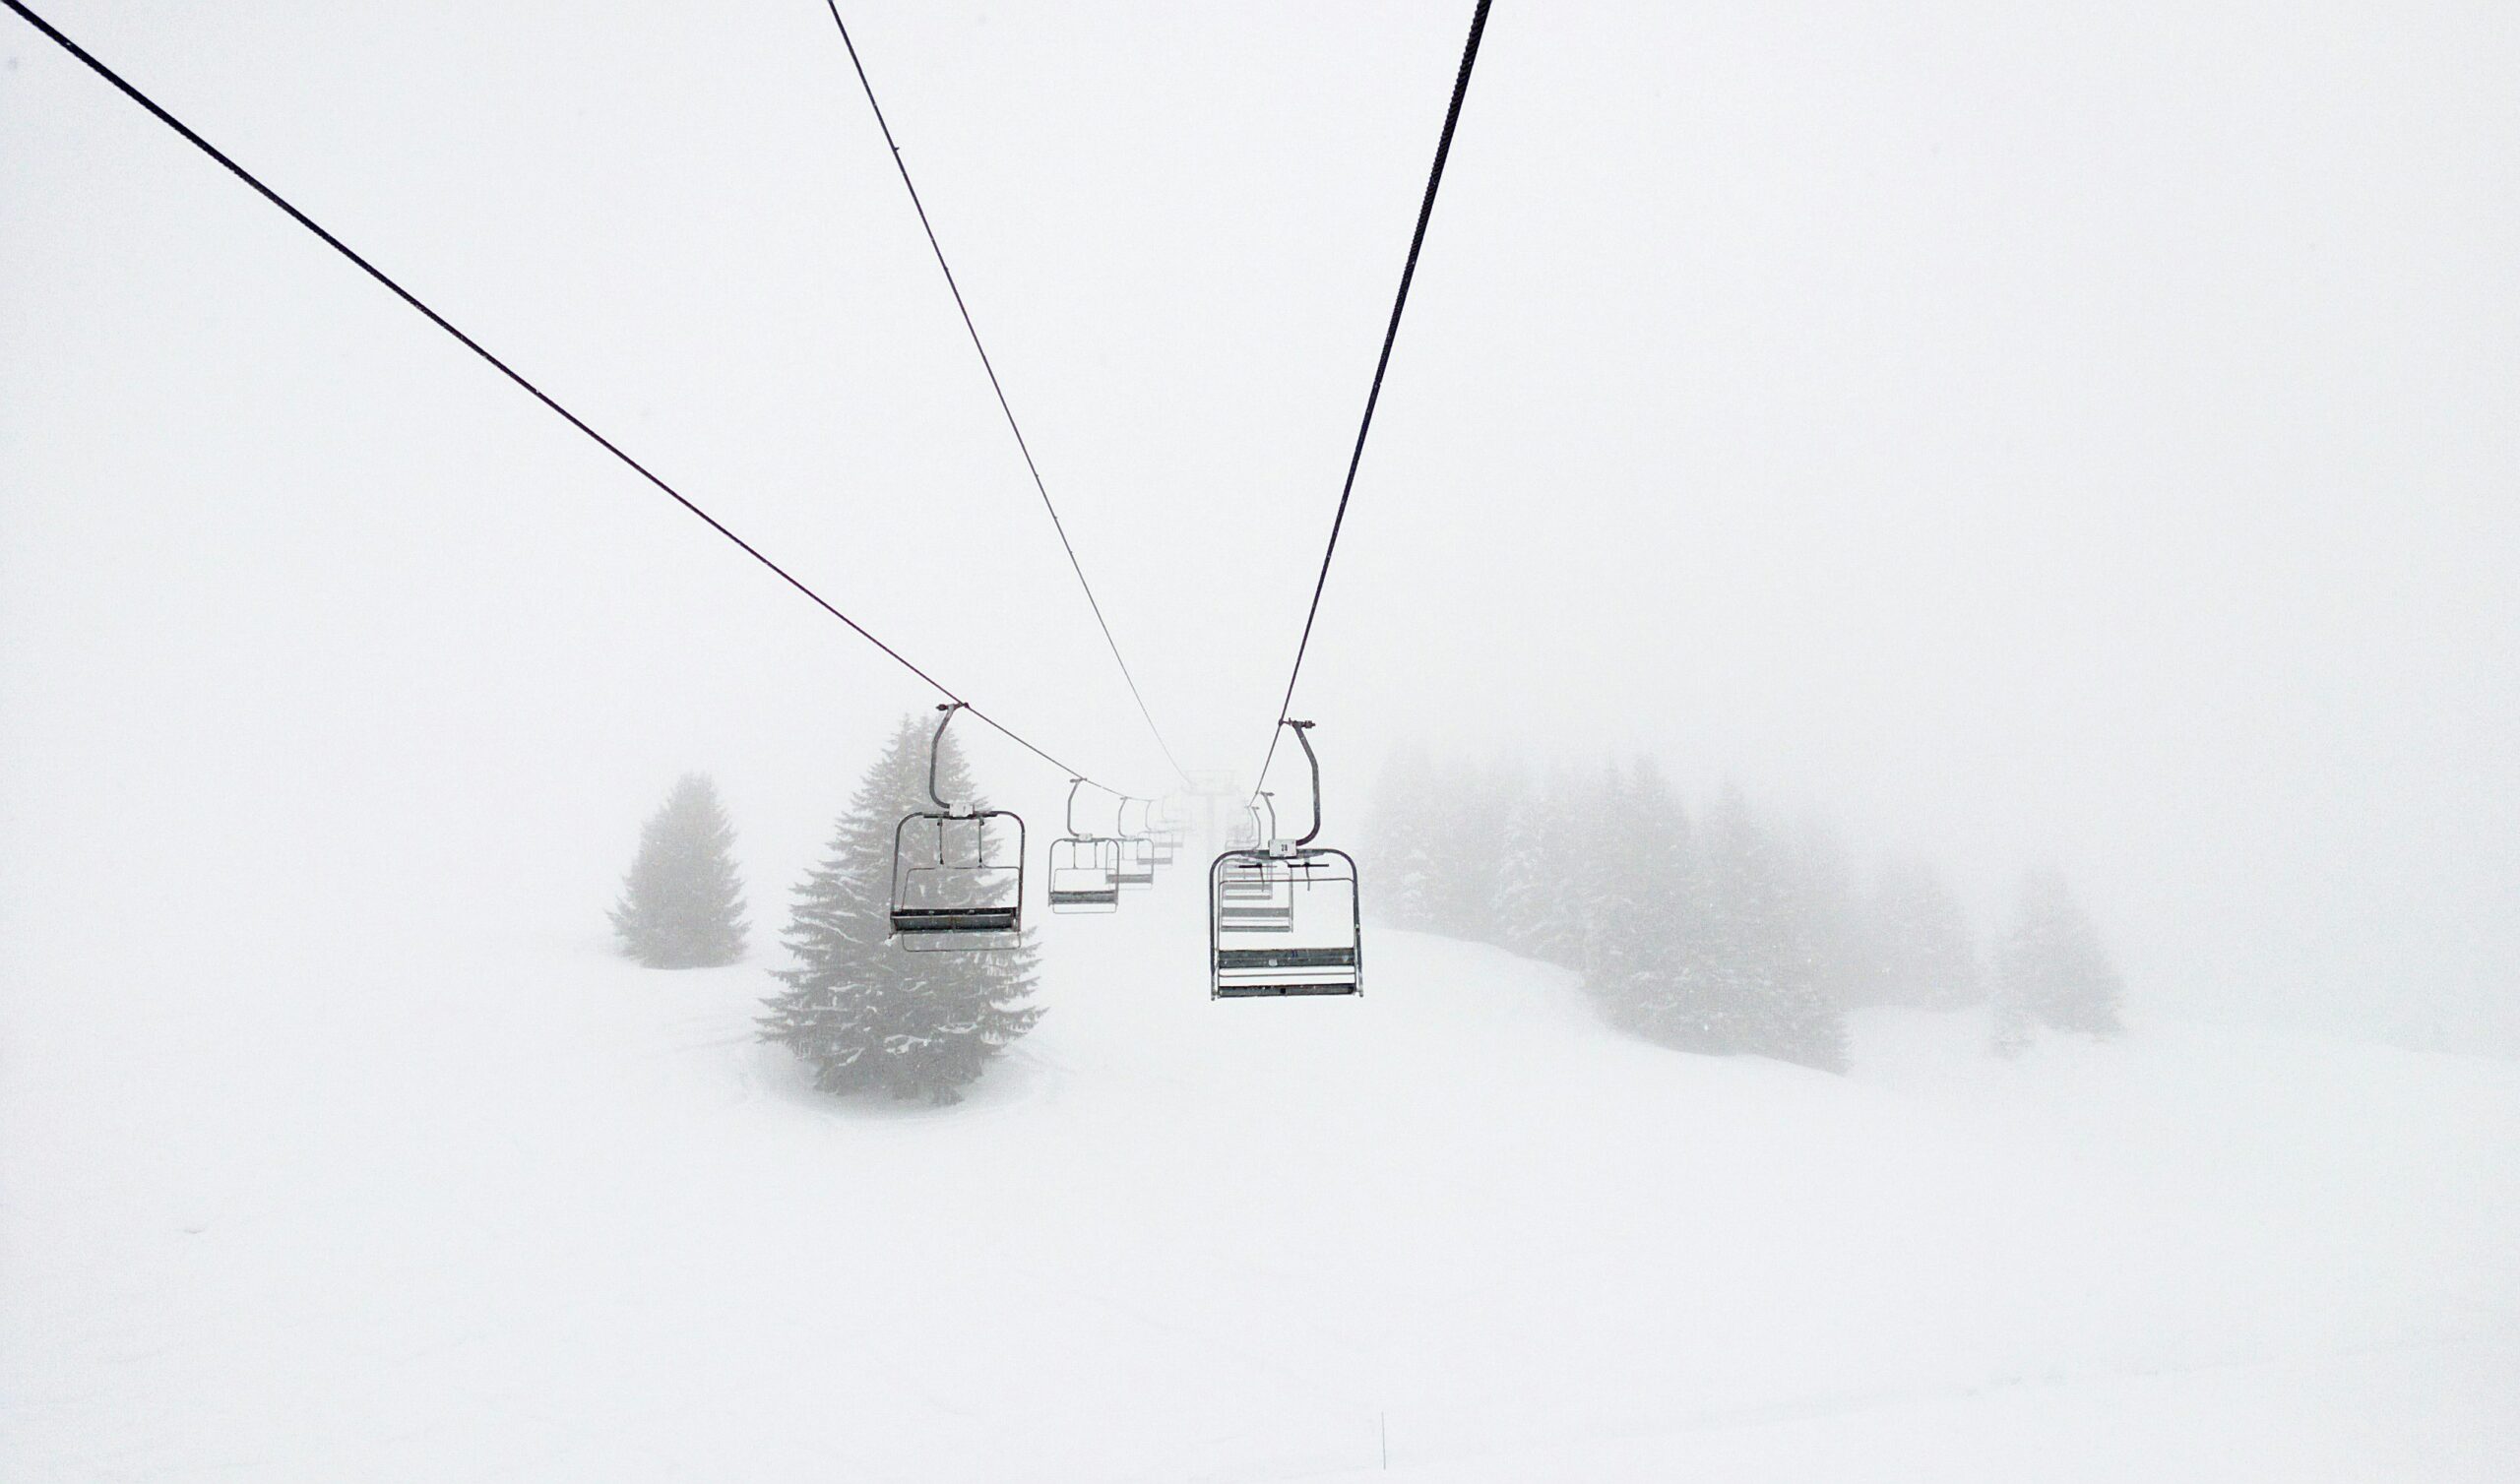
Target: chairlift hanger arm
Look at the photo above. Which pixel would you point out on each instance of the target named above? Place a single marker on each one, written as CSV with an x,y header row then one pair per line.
x,y
936,747
1303,731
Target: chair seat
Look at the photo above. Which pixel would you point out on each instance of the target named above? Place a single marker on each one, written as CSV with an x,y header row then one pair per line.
x,y
956,919
1231,959
1281,991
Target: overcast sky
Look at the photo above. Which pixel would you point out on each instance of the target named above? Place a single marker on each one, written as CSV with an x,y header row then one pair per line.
x,y
2085,435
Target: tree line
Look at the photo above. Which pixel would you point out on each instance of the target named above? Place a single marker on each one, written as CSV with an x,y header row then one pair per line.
x,y
1723,930
1727,930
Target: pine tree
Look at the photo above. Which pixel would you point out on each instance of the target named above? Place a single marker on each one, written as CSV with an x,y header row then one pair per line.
x,y
1560,900
682,904
1519,909
2051,969
1619,941
1399,835
1601,900
1472,803
1727,967
1647,899
1756,986
1828,929
1920,951
863,1013
1804,1019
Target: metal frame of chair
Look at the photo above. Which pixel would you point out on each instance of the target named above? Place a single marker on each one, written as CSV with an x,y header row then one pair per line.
x,y
988,921
1254,892
1081,870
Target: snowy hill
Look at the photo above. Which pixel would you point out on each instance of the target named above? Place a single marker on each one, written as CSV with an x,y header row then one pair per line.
x,y
420,1210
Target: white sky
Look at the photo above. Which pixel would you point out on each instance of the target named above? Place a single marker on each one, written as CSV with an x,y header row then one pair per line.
x,y
2079,434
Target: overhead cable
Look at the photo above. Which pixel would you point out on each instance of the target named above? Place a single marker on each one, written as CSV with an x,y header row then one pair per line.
x,y
995,385
1391,333
440,321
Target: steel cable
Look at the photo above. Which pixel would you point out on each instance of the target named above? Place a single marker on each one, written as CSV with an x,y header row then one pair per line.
x,y
53,35
1391,333
1022,447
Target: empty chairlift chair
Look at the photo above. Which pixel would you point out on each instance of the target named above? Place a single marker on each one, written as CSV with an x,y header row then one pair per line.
x,y
1284,918
1255,898
958,872
1137,852
1137,862
1084,868
1246,834
1254,831
1165,829
1253,892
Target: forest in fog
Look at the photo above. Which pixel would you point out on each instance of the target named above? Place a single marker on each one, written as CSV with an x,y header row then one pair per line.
x,y
1727,928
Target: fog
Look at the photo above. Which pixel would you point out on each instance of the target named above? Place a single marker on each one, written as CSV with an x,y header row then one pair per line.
x,y
2070,438
2077,440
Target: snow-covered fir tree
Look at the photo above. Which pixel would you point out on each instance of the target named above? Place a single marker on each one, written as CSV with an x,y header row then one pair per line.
x,y
864,1014
1735,937
1537,872
1828,931
1524,886
1922,953
2051,969
1643,901
682,905
1805,1021
1766,995
1726,961
1400,841
1621,942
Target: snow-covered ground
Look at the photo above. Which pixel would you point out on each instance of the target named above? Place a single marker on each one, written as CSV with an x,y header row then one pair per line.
x,y
431,1205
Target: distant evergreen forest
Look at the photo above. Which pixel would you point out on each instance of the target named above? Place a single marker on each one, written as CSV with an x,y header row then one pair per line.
x,y
1727,931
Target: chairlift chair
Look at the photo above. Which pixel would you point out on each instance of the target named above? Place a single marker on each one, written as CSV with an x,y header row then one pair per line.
x,y
1084,869
1137,851
958,873
1165,829
1257,900
1137,861
1284,917
1248,833
1253,880
1253,832
1249,879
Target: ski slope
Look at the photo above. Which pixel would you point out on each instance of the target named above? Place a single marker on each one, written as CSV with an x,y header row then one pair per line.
x,y
405,1203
